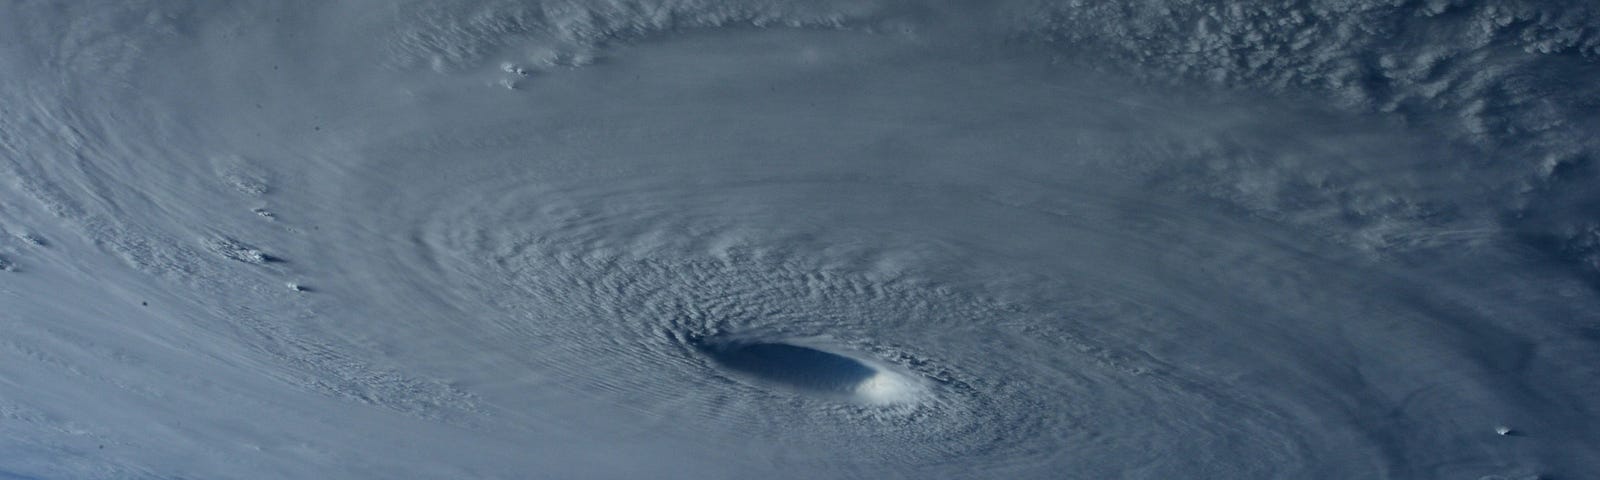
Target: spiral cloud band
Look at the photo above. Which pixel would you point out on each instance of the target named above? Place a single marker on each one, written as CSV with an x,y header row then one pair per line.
x,y
773,239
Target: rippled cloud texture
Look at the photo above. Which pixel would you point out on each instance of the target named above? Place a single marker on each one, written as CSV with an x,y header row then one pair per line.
x,y
775,239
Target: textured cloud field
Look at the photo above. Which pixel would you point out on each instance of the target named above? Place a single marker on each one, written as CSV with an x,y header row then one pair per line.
x,y
799,240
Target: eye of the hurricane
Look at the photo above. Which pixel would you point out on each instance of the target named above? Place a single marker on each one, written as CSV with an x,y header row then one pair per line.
x,y
811,370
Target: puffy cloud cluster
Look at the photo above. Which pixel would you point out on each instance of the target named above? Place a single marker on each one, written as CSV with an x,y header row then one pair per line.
x,y
1508,80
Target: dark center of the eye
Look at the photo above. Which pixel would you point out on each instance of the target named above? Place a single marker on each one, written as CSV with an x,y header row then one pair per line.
x,y
795,366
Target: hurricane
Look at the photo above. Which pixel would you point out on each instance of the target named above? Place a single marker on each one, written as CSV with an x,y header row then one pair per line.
x,y
800,239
